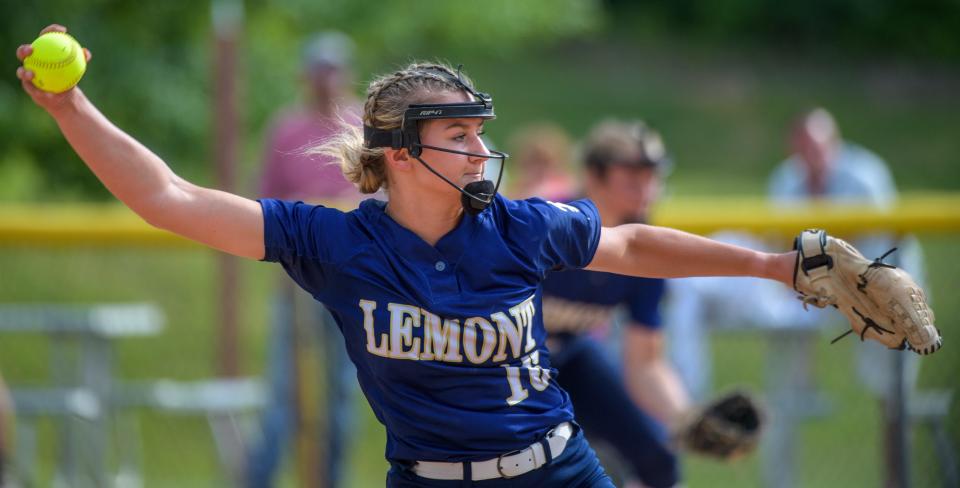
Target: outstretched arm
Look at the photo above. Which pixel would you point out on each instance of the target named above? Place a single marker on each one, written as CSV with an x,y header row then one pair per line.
x,y
660,252
142,181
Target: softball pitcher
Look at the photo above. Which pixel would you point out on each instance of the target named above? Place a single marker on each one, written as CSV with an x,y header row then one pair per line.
x,y
437,290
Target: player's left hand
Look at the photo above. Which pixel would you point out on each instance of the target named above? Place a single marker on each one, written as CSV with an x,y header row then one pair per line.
x,y
727,428
881,301
46,100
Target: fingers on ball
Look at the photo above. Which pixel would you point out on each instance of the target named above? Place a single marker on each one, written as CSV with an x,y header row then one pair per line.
x,y
53,28
23,51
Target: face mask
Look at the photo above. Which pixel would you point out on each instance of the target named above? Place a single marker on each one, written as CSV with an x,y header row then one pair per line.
x,y
475,196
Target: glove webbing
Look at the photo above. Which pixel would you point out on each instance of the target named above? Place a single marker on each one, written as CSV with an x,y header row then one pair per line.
x,y
820,262
868,322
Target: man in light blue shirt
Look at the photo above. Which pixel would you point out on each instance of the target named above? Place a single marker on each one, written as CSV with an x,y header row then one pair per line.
x,y
826,167
822,167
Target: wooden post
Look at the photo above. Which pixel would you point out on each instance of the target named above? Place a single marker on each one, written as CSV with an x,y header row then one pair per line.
x,y
227,16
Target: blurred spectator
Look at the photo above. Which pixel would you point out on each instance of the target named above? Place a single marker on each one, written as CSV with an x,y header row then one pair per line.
x,y
327,79
826,167
542,163
306,351
822,167
629,409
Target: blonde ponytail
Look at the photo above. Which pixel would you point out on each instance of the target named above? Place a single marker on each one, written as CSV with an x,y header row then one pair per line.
x,y
360,165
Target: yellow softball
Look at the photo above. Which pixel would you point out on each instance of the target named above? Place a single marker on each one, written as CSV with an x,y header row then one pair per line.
x,y
57,62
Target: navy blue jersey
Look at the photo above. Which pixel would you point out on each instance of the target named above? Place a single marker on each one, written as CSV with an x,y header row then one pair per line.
x,y
578,300
448,339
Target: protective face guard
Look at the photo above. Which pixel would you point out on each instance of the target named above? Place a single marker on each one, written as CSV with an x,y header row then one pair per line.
x,y
475,196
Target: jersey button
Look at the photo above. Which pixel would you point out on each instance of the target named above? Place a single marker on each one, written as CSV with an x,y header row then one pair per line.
x,y
440,266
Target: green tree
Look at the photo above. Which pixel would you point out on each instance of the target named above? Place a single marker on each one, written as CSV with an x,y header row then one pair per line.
x,y
151,71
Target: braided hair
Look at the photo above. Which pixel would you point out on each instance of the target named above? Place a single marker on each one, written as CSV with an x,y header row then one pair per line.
x,y
387,98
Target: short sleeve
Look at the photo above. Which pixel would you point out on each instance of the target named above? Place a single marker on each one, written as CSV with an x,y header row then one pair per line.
x,y
786,183
645,302
571,236
876,179
296,235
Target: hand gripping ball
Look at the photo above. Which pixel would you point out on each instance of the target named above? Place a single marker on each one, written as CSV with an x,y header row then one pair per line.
x,y
57,62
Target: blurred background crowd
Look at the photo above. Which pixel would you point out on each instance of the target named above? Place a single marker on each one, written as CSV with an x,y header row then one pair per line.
x,y
838,100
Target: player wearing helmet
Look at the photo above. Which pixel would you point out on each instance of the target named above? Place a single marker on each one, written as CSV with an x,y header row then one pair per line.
x,y
625,163
437,290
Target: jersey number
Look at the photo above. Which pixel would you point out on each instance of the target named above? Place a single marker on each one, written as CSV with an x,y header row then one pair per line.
x,y
539,378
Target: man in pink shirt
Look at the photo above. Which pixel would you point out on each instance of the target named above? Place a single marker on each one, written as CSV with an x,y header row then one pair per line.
x,y
306,352
290,174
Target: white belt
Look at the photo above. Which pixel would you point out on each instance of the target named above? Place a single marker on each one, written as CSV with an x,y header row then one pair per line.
x,y
506,465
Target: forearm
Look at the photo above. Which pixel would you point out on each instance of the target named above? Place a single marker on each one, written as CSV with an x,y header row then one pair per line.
x,y
656,388
142,181
133,173
652,382
660,252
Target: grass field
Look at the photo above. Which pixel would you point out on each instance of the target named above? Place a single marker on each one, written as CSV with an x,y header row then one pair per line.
x,y
722,114
844,448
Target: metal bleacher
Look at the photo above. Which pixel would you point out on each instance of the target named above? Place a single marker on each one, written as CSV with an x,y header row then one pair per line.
x,y
94,411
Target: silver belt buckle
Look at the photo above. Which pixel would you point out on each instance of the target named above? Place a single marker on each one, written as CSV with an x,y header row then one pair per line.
x,y
550,435
507,454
